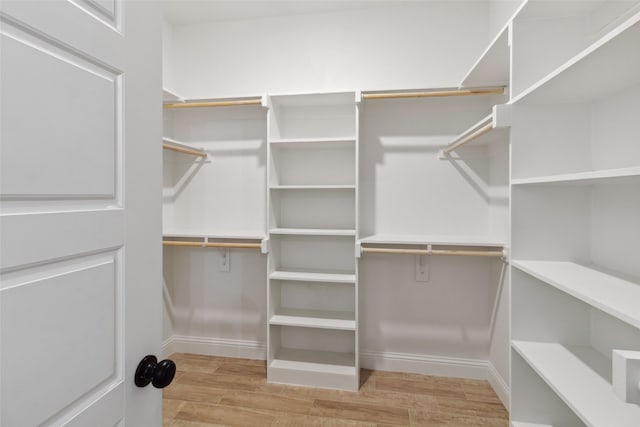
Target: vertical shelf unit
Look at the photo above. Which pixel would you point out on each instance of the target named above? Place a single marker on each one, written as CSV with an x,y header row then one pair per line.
x,y
312,285
575,191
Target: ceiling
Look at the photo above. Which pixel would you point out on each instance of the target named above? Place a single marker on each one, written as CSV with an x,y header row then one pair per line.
x,y
182,12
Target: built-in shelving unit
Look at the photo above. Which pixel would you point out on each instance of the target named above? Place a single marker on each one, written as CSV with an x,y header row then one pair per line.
x,y
312,281
574,210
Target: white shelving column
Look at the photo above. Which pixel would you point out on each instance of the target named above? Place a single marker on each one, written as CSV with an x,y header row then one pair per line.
x,y
575,209
312,284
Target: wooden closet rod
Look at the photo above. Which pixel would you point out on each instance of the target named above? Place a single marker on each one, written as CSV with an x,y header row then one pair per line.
x,y
456,252
212,244
433,94
228,103
184,150
484,129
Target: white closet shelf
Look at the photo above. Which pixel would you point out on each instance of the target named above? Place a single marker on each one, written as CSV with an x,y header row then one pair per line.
x,y
231,236
590,177
313,231
313,99
312,187
492,67
313,276
324,362
580,376
314,319
414,239
617,297
322,142
607,62
258,100
173,145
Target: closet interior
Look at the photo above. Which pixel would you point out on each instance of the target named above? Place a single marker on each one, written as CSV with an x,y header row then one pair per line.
x,y
478,227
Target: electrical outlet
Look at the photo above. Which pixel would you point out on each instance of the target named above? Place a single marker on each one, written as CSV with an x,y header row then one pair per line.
x,y
224,260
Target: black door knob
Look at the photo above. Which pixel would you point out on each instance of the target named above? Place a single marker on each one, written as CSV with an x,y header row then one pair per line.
x,y
150,371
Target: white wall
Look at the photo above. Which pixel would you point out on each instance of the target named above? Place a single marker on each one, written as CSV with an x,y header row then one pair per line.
x,y
426,44
168,82
500,11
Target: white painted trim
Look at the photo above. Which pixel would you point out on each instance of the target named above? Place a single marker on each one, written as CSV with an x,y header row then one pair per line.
x,y
499,385
381,361
244,349
168,348
424,364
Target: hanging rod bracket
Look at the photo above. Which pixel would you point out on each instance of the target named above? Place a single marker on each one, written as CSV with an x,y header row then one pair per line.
x,y
264,246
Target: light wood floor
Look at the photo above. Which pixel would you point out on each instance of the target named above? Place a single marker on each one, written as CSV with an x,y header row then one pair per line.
x,y
224,391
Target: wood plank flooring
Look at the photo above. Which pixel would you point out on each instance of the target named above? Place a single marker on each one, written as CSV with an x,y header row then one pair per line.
x,y
213,391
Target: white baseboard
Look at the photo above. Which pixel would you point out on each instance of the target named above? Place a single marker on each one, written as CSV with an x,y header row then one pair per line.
x,y
381,361
244,349
424,364
167,348
499,386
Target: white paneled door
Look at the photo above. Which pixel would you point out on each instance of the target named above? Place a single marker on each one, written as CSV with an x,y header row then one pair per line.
x,y
80,203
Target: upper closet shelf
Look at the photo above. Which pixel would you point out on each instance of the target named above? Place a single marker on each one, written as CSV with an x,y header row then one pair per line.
x,y
223,240
580,376
494,127
312,187
492,68
413,239
173,145
218,102
606,62
312,141
314,276
584,178
431,93
237,236
615,296
313,232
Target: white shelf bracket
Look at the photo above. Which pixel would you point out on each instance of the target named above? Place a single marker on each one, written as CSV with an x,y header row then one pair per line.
x,y
502,116
264,101
264,246
204,242
358,249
